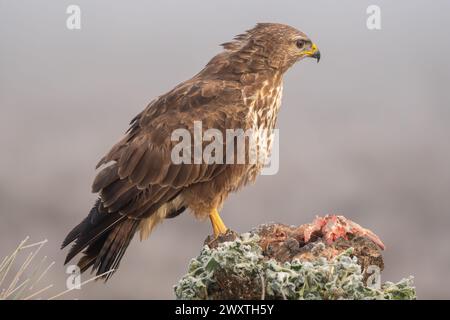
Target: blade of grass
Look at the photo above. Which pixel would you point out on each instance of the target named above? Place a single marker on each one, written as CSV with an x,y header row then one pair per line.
x,y
82,284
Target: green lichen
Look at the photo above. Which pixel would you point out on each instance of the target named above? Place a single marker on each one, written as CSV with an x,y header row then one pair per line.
x,y
238,270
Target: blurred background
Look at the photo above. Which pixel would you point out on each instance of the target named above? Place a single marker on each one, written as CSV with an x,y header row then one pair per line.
x,y
364,133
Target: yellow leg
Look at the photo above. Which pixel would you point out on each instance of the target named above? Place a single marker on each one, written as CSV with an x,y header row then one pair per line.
x,y
217,223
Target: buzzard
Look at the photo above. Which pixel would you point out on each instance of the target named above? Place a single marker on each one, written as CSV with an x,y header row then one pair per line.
x,y
140,185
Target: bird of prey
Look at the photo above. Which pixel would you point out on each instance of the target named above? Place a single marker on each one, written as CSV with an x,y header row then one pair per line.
x,y
140,185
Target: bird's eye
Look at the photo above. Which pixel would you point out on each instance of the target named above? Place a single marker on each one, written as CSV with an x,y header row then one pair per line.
x,y
300,43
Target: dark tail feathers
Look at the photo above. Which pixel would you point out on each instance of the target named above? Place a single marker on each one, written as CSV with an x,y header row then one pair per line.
x,y
105,236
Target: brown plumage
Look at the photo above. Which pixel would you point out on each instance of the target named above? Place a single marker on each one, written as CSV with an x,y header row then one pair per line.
x,y
139,185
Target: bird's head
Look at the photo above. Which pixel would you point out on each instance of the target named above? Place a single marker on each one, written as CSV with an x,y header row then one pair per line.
x,y
272,45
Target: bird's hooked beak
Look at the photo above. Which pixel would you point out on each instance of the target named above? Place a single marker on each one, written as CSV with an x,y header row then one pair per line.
x,y
313,52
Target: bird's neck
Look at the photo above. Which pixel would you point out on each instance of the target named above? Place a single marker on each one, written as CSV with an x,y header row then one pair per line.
x,y
234,65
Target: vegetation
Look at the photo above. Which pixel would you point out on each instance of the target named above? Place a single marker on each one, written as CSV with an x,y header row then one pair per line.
x,y
240,269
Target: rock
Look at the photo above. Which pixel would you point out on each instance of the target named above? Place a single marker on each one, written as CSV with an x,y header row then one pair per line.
x,y
331,258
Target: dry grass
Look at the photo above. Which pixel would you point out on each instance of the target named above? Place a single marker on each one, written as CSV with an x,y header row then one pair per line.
x,y
25,284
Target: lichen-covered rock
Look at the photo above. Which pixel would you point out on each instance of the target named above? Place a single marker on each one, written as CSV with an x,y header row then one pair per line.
x,y
272,262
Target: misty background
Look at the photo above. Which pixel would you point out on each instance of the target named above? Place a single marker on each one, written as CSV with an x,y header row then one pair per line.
x,y
364,133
